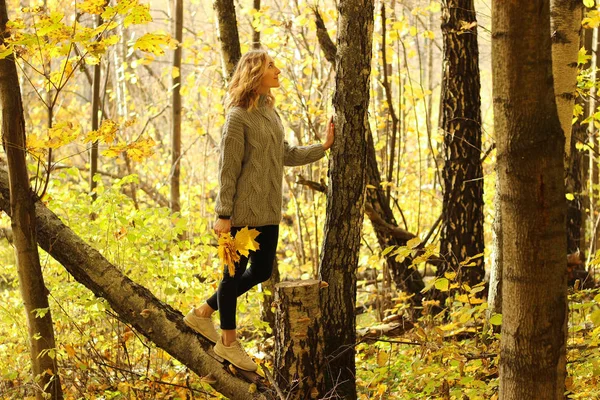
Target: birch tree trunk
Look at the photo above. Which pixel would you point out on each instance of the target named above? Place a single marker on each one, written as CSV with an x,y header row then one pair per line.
x,y
299,340
228,35
22,209
532,201
565,18
346,194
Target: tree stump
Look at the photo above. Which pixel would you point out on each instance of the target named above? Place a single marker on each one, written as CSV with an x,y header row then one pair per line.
x,y
298,338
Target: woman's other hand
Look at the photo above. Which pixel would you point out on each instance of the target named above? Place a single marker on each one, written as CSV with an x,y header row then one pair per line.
x,y
330,134
222,226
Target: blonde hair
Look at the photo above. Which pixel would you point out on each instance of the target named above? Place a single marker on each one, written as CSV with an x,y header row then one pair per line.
x,y
246,80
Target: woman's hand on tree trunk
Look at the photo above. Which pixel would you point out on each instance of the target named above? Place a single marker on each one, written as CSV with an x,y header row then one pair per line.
x,y
330,134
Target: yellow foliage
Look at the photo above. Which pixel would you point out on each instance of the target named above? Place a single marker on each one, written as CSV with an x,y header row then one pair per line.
x,y
154,42
230,248
245,241
228,253
91,6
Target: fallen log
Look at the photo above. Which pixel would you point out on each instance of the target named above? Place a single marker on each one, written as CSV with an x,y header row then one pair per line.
x,y
135,304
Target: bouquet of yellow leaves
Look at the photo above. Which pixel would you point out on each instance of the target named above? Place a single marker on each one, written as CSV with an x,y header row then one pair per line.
x,y
231,248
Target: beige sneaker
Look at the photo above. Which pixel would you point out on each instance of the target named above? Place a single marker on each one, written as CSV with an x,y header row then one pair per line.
x,y
202,325
236,355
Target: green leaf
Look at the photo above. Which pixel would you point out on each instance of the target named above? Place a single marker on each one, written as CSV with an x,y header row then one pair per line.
x,y
570,196
496,319
442,284
589,3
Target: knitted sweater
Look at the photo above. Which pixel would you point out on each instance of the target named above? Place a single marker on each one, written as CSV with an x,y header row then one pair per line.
x,y
253,153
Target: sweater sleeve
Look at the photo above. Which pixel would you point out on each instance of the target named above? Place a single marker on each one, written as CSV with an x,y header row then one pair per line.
x,y
300,155
230,162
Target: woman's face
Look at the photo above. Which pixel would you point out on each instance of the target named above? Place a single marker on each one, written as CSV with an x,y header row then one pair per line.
x,y
270,78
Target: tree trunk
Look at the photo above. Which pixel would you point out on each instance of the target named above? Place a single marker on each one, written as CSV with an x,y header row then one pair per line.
x,y
255,33
565,18
532,201
346,193
134,304
22,209
495,285
95,122
268,290
462,209
405,278
228,35
577,172
176,136
298,342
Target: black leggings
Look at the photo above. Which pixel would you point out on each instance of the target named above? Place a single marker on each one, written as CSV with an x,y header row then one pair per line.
x,y
261,267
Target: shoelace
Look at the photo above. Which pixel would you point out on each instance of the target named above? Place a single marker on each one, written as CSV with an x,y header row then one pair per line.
x,y
241,351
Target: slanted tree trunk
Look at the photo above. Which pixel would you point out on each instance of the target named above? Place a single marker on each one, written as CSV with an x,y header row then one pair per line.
x,y
532,201
176,134
565,18
22,210
228,35
405,278
134,304
462,209
346,194
299,340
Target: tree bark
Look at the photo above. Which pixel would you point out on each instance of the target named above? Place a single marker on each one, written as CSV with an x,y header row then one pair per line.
x,y
405,278
532,201
495,286
228,35
346,194
268,290
255,33
577,171
298,342
176,133
327,45
21,207
462,209
565,18
134,304
95,122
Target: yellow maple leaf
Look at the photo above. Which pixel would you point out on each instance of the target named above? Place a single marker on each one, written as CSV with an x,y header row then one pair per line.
x,y
141,149
244,241
228,253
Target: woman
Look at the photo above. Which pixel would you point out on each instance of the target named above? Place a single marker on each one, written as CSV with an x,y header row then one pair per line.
x,y
253,153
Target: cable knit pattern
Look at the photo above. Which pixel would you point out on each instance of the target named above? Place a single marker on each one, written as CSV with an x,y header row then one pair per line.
x,y
253,153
